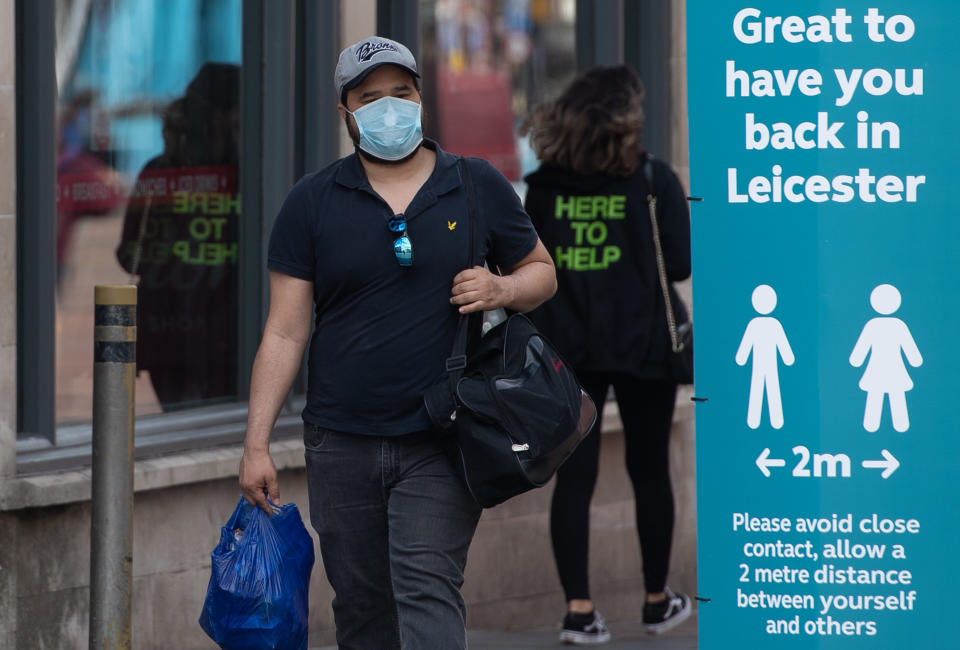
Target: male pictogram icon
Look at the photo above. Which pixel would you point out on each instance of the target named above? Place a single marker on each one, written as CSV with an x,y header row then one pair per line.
x,y
765,339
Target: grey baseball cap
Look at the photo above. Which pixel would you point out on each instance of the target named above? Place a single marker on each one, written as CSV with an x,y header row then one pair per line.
x,y
361,58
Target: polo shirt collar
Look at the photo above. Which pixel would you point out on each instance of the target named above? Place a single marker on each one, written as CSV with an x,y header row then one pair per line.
x,y
445,176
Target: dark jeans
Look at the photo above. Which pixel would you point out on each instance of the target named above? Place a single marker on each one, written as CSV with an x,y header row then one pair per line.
x,y
646,408
395,522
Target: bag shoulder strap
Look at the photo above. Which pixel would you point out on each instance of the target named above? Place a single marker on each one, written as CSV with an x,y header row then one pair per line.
x,y
675,342
471,209
457,360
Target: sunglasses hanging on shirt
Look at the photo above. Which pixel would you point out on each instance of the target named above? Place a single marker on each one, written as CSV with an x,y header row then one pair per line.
x,y
402,246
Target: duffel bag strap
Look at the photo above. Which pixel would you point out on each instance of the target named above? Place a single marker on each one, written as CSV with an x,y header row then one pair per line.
x,y
440,400
457,360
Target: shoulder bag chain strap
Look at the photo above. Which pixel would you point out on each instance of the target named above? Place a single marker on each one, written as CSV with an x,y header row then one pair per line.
x,y
675,341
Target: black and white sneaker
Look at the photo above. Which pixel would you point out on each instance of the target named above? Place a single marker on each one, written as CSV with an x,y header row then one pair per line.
x,y
667,614
584,629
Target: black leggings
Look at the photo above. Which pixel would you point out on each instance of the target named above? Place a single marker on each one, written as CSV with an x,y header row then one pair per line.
x,y
646,409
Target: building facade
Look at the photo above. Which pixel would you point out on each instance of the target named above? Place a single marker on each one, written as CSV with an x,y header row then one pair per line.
x,y
151,143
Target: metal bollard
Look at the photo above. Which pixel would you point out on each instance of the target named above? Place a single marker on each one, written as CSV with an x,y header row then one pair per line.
x,y
111,526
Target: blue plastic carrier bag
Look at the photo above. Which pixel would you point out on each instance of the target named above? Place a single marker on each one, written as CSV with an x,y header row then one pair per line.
x,y
259,581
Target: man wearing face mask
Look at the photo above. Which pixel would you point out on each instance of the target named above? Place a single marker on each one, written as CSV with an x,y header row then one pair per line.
x,y
375,247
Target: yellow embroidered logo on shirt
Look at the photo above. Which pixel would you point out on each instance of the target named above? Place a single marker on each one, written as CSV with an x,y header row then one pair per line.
x,y
451,225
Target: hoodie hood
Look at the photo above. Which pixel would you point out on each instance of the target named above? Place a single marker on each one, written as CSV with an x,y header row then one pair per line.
x,y
553,176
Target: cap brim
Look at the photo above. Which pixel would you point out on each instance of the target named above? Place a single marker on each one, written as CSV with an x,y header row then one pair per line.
x,y
356,81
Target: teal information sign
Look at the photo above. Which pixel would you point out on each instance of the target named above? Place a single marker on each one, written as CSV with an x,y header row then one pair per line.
x,y
823,140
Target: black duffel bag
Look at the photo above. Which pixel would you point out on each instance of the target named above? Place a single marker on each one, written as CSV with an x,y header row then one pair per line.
x,y
516,412
513,408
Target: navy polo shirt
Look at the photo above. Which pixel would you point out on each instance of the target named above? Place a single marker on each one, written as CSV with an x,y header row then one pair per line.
x,y
383,332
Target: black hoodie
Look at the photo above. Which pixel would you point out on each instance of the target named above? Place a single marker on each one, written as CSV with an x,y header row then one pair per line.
x,y
608,314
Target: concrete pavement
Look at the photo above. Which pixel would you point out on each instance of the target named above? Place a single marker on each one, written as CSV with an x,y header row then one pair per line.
x,y
626,634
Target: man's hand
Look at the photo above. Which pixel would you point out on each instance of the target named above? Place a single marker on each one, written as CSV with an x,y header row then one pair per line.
x,y
258,479
522,287
478,289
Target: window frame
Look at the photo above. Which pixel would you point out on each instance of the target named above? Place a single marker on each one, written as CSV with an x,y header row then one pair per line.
x,y
36,97
289,124
279,88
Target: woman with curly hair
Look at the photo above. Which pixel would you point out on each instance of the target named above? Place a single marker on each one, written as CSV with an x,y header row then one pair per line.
x,y
588,201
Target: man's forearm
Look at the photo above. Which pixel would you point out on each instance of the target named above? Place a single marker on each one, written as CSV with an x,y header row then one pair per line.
x,y
533,284
274,369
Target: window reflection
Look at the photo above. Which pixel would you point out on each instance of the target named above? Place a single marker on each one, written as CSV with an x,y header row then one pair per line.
x,y
148,126
180,238
486,63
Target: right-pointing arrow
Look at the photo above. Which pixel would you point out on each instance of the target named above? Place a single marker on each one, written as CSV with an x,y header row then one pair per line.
x,y
764,461
889,464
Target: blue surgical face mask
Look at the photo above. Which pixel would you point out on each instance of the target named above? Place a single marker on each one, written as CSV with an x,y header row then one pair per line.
x,y
389,127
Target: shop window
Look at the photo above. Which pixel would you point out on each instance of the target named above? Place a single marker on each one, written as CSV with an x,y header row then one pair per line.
x,y
486,63
147,193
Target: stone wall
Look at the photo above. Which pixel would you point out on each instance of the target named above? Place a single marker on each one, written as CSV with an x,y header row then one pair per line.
x,y
8,312
8,242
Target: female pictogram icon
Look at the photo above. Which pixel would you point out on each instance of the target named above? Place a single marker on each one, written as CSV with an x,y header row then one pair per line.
x,y
887,340
765,339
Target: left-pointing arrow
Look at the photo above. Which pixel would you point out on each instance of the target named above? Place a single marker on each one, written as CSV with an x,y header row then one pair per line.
x,y
764,461
889,464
